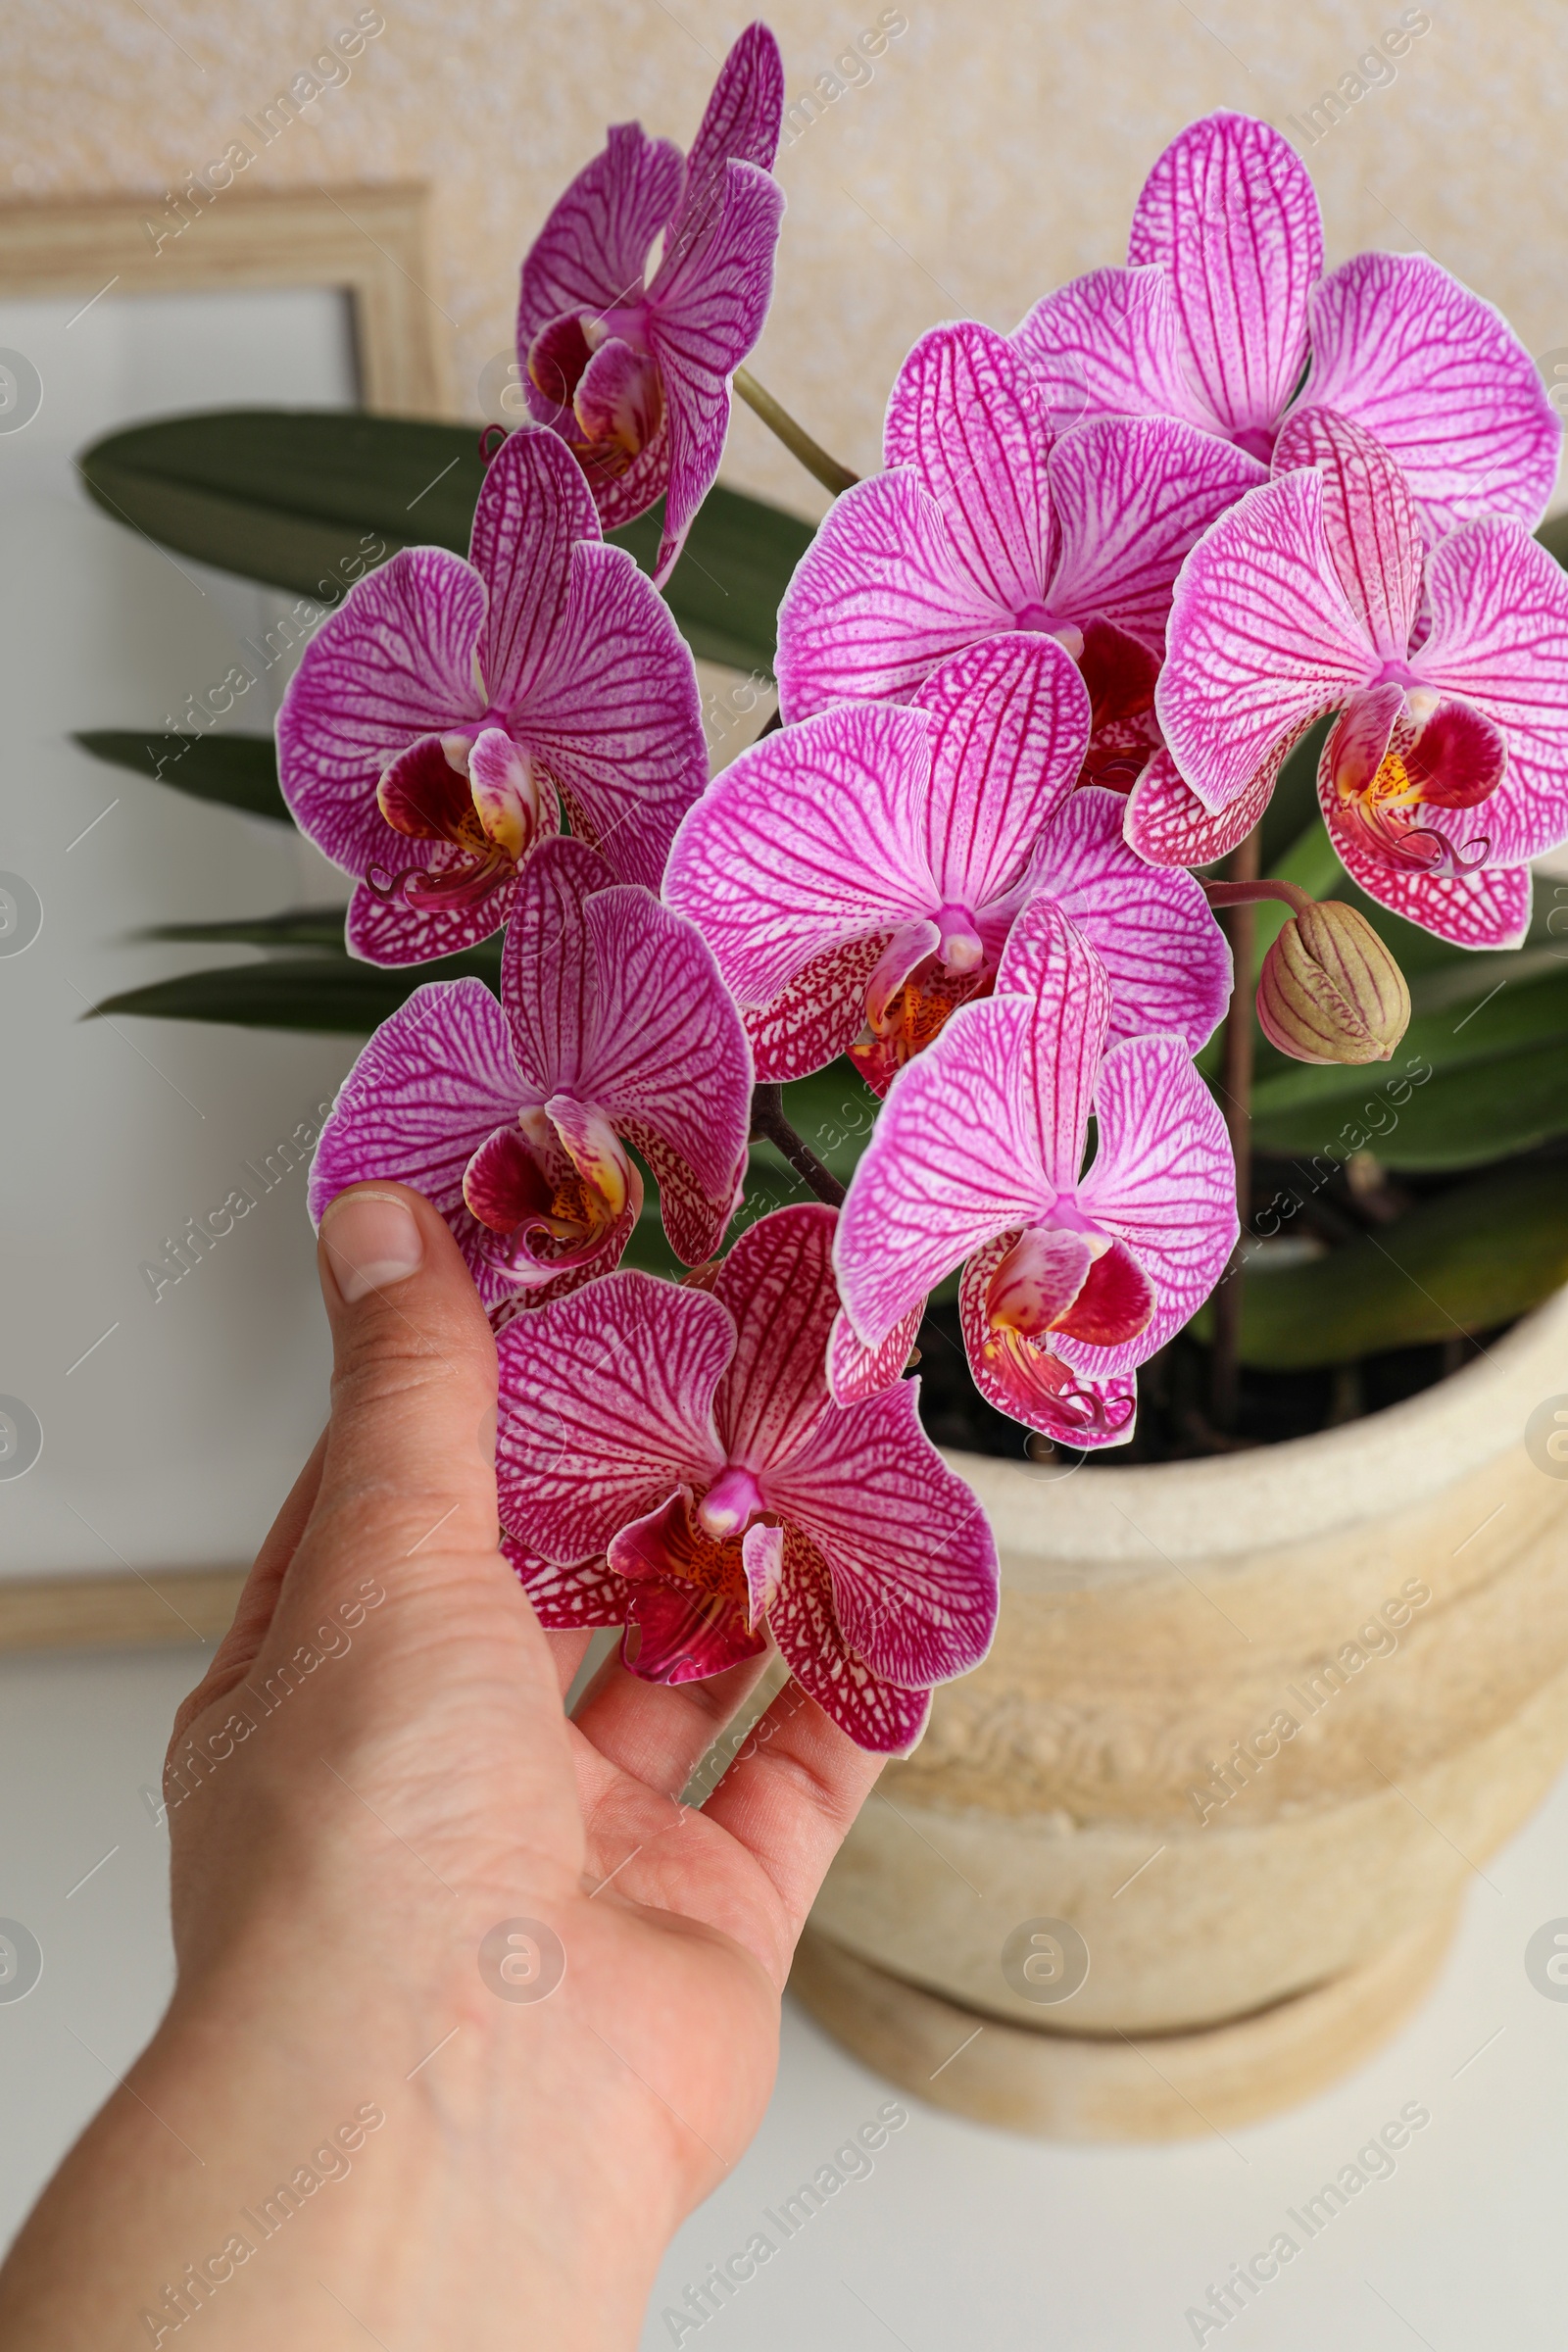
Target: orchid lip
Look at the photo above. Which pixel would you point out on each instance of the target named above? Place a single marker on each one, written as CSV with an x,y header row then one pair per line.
x,y
731,1502
960,947
1039,620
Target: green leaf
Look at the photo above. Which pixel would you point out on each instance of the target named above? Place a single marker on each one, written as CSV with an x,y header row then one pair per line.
x,y
319,928
332,995
1465,1260
238,771
307,500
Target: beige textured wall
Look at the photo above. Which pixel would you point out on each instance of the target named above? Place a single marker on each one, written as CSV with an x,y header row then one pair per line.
x,y
995,152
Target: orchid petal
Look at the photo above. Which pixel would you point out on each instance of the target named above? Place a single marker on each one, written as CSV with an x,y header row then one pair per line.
x,y
743,118
1049,960
383,928
1370,520
1499,640
1442,382
1488,907
590,253
809,841
607,1408
1111,344
533,506
685,1636
1024,1379
1038,1280
855,1371
432,1084
547,973
1230,211
567,1598
819,1015
1132,496
394,661
616,718
1114,1304
1009,729
1261,639
911,1558
878,599
777,1284
1163,1182
968,418
876,1715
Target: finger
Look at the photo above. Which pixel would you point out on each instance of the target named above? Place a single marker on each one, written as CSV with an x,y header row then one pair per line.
x,y
659,1733
253,1612
791,1795
569,1647
408,1489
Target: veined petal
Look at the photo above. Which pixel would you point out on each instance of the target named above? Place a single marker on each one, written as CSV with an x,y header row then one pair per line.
x,y
1038,1280
1231,212
1442,382
1163,1182
534,506
1165,957
969,419
433,1083
1025,1379
1370,519
777,1282
567,1598
1049,960
548,978
811,840
1500,641
707,307
1261,639
908,1547
589,256
1111,344
383,928
685,1635
1167,824
1009,726
1132,497
1486,907
954,1159
855,1371
615,715
877,1715
878,599
742,119
606,1409
817,1016
394,661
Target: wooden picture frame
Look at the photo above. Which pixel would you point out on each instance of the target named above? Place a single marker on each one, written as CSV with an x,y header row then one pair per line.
x,y
371,243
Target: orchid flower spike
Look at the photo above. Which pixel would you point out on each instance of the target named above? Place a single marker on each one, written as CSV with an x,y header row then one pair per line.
x,y
986,522
1447,769
633,369
1223,302
614,1029
440,717
1072,1277
669,1459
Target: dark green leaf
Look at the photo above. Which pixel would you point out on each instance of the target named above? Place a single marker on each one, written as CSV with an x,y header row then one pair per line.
x,y
319,928
329,994
240,771
1464,1260
307,500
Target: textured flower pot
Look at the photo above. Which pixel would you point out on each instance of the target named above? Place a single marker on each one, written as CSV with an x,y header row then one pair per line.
x,y
1249,1727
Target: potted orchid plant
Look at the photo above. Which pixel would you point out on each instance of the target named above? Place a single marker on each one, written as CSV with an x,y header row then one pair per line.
x,y
1163,738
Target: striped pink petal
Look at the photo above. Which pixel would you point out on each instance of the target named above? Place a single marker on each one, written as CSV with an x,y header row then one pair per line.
x,y
1049,960
1442,382
777,1284
856,1371
877,1715
607,1409
1230,212
383,928
590,253
1027,1380
1009,726
817,1015
1132,496
1163,1181
1111,344
1164,954
1370,520
1167,824
742,119
534,506
1261,639
564,1599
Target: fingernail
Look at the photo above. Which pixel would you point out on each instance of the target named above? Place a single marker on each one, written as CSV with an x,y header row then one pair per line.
x,y
373,1241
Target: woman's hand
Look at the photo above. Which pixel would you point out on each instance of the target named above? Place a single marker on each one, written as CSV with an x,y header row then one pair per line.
x,y
406,1888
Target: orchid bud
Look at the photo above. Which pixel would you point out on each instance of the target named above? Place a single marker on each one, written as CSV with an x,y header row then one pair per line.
x,y
1330,990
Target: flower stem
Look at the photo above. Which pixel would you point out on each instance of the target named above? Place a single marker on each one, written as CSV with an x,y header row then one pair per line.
x,y
769,1125
825,469
1251,893
1238,893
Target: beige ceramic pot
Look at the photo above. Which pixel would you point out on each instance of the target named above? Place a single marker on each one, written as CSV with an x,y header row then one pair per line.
x,y
1250,1727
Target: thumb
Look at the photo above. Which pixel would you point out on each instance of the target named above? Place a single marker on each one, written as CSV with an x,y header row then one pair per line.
x,y
408,1483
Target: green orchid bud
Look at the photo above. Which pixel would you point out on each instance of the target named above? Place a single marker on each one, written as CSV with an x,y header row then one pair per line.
x,y
1330,990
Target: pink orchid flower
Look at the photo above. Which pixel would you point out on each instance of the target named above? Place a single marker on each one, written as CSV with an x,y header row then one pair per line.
x,y
986,522
633,371
669,1459
613,1028
1449,767
856,875
1223,302
443,713
1072,1277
